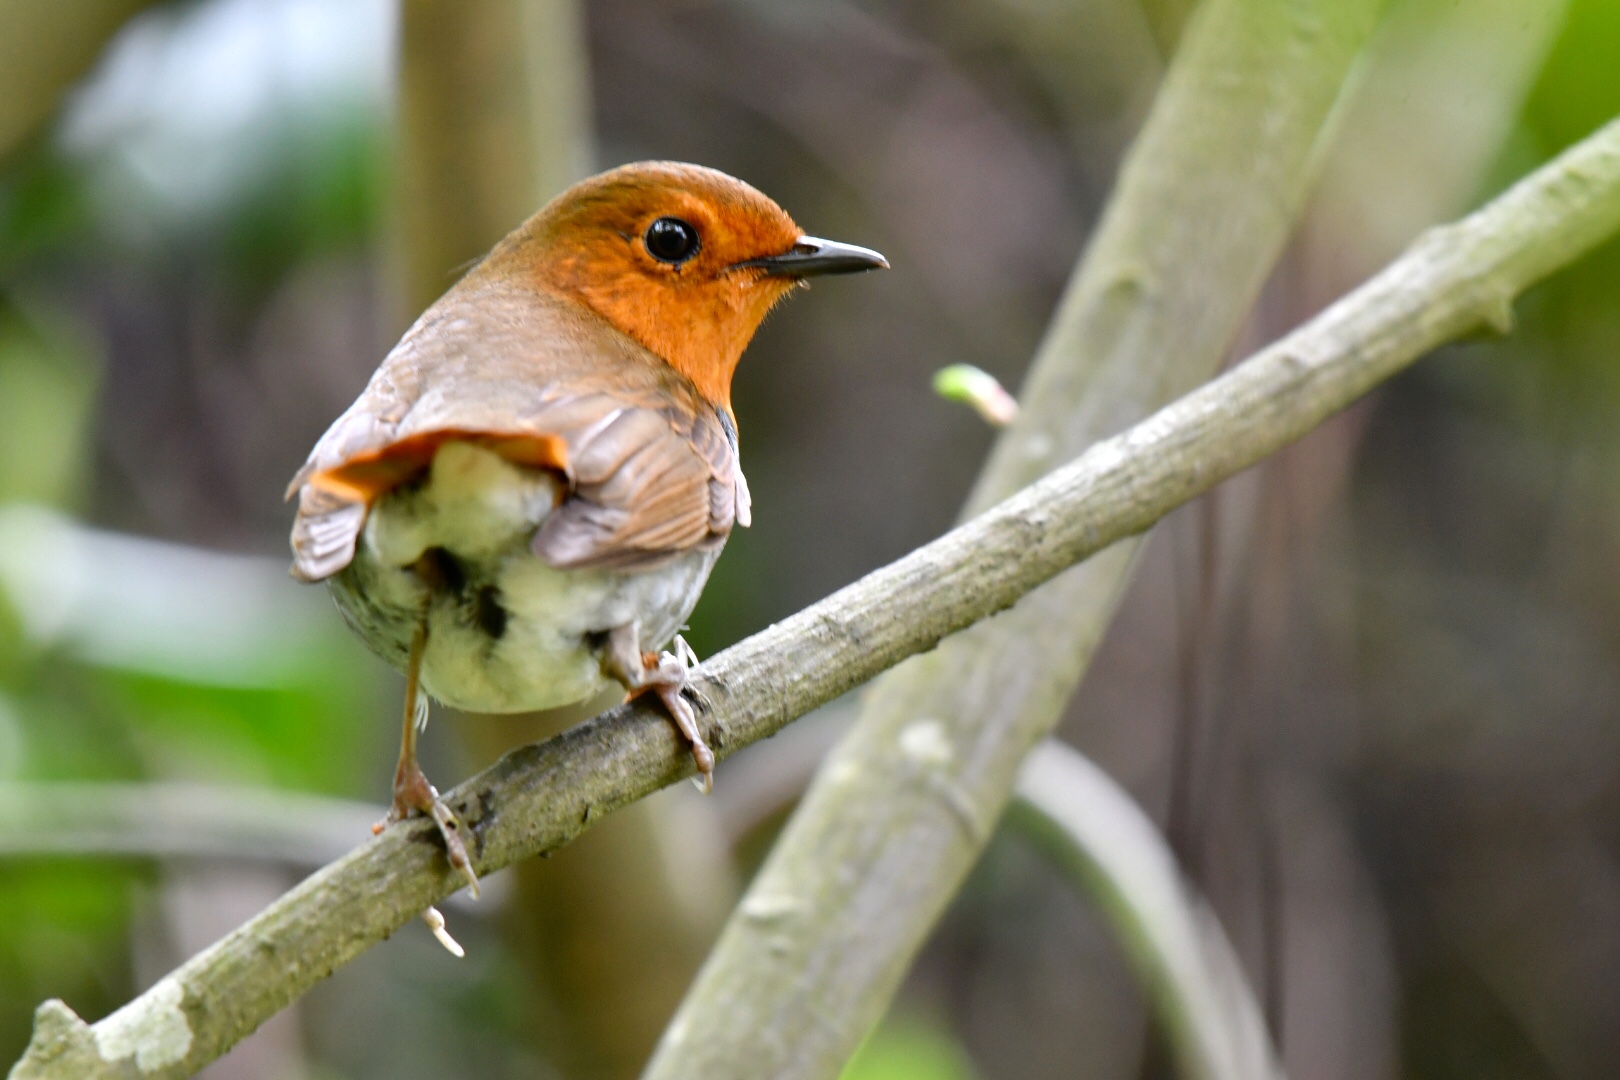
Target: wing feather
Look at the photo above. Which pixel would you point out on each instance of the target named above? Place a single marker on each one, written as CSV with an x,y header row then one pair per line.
x,y
652,469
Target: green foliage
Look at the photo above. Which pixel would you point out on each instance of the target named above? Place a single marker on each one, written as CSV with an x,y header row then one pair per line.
x,y
1578,91
42,208
63,936
908,1047
48,375
316,188
308,736
324,192
1571,338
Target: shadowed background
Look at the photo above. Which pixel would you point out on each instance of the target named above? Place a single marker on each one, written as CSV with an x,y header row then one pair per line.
x,y
1370,689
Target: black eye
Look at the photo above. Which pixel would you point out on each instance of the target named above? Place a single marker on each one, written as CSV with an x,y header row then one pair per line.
x,y
671,240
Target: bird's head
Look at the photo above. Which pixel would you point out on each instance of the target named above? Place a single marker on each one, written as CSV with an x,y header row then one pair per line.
x,y
684,259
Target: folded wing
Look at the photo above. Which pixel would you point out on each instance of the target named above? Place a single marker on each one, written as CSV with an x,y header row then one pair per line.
x,y
651,468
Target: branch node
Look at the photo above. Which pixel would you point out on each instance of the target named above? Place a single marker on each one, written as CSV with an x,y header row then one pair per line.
x,y
62,1045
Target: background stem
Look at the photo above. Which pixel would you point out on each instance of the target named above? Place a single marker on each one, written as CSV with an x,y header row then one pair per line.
x,y
1203,206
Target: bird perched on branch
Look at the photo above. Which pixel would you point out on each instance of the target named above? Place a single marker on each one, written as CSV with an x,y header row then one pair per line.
x,y
528,497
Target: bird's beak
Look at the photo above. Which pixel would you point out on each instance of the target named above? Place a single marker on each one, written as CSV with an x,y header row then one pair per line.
x,y
811,256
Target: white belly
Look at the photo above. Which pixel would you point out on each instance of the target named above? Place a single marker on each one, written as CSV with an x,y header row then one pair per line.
x,y
506,631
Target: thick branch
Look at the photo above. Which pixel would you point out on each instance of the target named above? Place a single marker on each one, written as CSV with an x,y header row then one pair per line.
x,y
1203,206
45,47
539,797
494,119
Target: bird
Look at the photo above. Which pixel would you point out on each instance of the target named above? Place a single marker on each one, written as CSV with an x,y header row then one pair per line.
x,y
524,504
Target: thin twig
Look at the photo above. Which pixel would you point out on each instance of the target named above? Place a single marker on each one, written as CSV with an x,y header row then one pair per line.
x,y
539,797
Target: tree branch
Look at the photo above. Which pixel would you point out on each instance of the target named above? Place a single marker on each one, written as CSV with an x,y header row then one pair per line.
x,y
494,119
1204,203
182,820
1094,831
45,47
539,797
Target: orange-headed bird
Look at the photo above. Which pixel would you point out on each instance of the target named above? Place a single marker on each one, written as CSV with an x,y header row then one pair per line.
x,y
527,499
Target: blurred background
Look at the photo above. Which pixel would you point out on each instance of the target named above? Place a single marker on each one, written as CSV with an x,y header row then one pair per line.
x,y
1370,689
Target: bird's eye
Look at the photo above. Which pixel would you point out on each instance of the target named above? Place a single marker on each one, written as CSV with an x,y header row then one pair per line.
x,y
671,240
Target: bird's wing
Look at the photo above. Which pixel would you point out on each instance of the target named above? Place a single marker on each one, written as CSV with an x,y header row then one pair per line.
x,y
646,483
652,470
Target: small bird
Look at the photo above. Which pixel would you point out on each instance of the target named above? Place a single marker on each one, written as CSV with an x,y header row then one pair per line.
x,y
525,502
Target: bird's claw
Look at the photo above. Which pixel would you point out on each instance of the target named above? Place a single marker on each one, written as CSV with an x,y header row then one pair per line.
x,y
413,794
435,922
686,720
674,669
684,654
689,662
455,848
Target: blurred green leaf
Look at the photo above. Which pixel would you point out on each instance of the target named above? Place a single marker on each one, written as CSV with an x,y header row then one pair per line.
x,y
63,936
323,193
42,207
307,737
1579,89
909,1047
47,390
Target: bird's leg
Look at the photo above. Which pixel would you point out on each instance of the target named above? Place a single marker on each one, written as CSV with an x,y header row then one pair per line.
x,y
666,676
411,788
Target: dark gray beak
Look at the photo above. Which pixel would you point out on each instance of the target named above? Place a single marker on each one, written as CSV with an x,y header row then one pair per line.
x,y
811,256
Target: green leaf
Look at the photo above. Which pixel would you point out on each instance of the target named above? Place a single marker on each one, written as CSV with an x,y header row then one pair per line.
x,y
909,1047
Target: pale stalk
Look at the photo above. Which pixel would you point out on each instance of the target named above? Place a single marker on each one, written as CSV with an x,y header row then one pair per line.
x,y
45,47
1203,206
494,119
1102,841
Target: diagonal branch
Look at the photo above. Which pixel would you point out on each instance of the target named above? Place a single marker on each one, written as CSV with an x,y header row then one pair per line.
x,y
1203,205
537,798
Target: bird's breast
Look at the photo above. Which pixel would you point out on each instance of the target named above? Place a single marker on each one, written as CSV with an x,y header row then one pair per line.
x,y
507,632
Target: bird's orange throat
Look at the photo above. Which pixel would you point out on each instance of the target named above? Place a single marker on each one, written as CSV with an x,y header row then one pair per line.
x,y
700,333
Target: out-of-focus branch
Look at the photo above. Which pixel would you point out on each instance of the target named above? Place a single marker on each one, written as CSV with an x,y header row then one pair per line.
x,y
1437,95
1167,18
1097,835
178,819
494,100
45,46
539,797
156,607
494,119
1202,208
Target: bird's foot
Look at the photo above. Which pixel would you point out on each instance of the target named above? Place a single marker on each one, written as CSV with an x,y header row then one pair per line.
x,y
413,793
666,675
669,676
